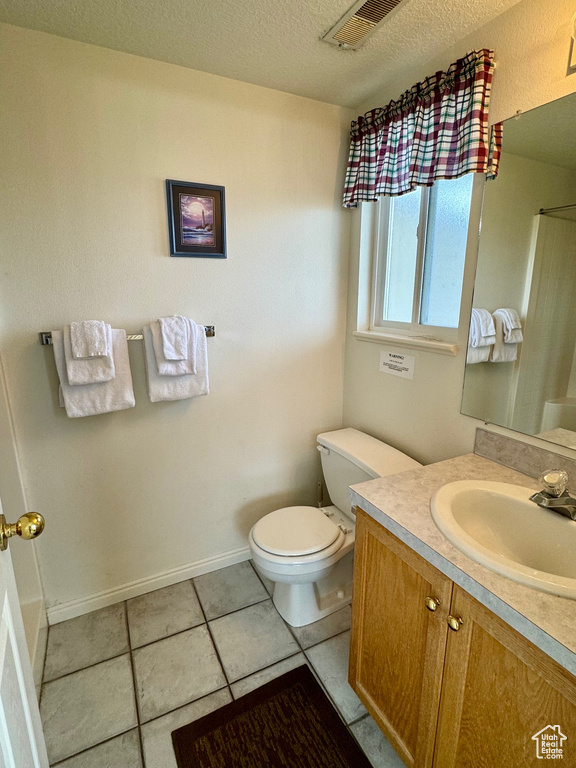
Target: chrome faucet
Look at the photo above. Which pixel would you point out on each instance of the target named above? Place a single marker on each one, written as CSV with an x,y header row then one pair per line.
x,y
554,495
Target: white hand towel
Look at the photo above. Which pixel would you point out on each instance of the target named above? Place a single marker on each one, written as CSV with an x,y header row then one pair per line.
x,y
174,367
89,338
511,325
177,387
501,352
481,337
174,332
103,397
89,370
481,328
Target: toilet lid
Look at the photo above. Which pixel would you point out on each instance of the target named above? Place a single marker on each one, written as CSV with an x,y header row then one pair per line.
x,y
295,531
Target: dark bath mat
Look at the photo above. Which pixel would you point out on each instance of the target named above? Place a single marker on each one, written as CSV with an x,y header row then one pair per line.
x,y
287,723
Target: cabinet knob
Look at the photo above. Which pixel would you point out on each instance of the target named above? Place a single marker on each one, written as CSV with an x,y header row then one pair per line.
x,y
432,603
455,622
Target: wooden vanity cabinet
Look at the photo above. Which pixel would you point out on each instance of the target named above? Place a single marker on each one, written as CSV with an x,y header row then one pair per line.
x,y
447,699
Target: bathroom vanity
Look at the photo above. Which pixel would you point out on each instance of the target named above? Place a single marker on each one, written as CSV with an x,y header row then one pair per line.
x,y
458,665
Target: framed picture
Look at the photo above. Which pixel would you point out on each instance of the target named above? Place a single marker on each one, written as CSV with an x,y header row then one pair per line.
x,y
196,219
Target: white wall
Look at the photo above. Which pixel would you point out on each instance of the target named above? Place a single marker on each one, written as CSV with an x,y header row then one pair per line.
x,y
531,42
89,136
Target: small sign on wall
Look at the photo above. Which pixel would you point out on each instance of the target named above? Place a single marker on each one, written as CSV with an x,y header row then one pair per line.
x,y
397,363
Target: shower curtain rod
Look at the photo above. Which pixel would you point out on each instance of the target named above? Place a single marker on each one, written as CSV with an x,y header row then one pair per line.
x,y
559,208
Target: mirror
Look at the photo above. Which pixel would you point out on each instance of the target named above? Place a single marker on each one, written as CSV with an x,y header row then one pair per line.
x,y
527,262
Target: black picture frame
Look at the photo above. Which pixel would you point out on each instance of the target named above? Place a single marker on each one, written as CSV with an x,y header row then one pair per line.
x,y
196,219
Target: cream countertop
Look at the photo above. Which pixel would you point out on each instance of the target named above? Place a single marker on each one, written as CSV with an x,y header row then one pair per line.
x,y
401,503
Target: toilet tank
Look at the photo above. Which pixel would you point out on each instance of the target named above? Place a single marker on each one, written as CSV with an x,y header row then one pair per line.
x,y
350,456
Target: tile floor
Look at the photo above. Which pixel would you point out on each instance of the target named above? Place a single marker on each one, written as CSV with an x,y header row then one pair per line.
x,y
118,681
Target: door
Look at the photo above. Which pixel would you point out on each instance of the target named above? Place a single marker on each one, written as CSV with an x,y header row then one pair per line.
x,y
505,704
399,637
21,739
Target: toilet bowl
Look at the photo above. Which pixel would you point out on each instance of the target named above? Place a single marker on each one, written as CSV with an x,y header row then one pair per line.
x,y
308,552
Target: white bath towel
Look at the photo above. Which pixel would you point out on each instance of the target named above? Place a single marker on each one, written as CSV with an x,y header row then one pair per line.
x,y
103,397
89,338
174,332
481,328
481,337
501,352
88,370
177,387
511,325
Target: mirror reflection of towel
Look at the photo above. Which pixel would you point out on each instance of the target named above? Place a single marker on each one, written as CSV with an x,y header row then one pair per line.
x,y
481,336
501,351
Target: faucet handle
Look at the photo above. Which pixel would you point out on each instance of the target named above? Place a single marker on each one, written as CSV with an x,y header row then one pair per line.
x,y
554,481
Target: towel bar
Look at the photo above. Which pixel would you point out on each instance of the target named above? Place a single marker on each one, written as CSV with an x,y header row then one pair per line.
x,y
46,336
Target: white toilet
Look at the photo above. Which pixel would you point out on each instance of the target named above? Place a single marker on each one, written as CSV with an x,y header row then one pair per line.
x,y
308,552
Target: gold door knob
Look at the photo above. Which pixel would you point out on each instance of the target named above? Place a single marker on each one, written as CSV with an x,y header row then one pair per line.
x,y
455,622
29,526
432,603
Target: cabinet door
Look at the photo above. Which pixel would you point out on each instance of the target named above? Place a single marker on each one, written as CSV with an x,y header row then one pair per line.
x,y
398,645
499,691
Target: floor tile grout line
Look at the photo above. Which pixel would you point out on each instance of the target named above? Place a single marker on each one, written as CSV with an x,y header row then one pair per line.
x,y
212,640
89,666
235,610
331,637
134,687
165,637
99,744
44,665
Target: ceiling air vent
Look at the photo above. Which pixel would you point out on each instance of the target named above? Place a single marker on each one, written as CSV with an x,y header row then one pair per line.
x,y
359,22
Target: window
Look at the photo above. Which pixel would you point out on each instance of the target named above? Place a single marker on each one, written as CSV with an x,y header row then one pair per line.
x,y
421,250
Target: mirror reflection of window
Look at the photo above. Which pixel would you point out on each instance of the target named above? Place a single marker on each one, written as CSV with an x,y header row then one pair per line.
x,y
527,261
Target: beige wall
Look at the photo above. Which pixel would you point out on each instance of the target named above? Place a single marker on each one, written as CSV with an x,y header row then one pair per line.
x,y
422,416
89,136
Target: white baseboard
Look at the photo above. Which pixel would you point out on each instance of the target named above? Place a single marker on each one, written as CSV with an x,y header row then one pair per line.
x,y
35,629
82,605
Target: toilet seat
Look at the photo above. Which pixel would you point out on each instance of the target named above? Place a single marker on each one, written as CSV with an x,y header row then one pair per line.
x,y
296,532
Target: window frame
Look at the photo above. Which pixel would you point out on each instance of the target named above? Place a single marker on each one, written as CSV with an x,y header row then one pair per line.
x,y
414,328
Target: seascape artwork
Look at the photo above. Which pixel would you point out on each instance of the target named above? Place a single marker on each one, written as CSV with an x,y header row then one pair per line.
x,y
197,220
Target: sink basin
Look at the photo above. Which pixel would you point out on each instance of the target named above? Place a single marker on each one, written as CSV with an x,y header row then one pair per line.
x,y
496,525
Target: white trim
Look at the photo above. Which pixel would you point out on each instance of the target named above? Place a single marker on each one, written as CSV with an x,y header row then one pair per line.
x,y
409,342
82,605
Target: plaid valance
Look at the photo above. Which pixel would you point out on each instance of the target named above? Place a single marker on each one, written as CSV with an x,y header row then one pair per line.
x,y
436,130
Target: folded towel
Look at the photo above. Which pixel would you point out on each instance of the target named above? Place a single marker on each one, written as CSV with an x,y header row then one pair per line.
x,y
501,352
174,367
89,338
511,325
177,387
102,397
481,328
89,370
174,332
481,337
478,355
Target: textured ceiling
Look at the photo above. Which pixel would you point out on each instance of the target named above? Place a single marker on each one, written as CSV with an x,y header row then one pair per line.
x,y
545,133
273,43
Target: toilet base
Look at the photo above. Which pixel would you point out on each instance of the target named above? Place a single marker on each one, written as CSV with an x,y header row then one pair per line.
x,y
302,604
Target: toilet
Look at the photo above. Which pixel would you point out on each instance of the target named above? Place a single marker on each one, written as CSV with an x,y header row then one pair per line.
x,y
308,552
